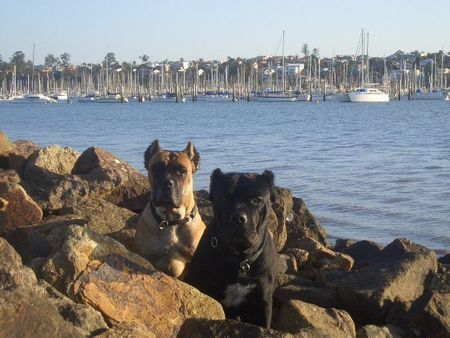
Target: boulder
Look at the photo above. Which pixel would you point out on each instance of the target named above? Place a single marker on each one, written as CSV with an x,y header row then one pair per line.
x,y
12,273
48,164
311,294
87,320
206,328
25,314
430,314
132,192
321,257
303,224
362,252
29,243
299,255
444,259
295,316
81,248
204,205
9,176
101,216
391,280
127,330
124,291
5,147
44,311
373,331
282,206
19,154
64,192
22,210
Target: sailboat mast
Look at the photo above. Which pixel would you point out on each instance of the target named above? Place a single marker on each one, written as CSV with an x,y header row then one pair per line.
x,y
368,66
283,79
30,86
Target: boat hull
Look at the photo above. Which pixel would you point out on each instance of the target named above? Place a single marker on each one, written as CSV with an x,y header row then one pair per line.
x,y
368,97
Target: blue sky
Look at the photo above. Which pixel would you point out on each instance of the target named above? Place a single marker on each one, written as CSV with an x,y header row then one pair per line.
x,y
216,29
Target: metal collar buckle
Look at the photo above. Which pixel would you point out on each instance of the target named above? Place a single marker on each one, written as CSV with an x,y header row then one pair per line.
x,y
214,242
244,266
163,224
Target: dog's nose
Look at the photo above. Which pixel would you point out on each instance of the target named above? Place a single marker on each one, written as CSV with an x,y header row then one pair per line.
x,y
168,183
239,218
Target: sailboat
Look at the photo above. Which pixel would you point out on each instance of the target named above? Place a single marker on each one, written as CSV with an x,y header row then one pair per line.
x,y
269,95
365,93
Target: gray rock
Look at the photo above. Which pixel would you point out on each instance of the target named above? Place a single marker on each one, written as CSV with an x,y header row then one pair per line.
x,y
204,328
132,191
295,316
393,279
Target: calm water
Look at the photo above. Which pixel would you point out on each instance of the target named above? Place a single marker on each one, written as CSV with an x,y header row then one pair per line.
x,y
367,171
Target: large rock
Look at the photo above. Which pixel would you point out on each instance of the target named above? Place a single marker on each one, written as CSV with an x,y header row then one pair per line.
x,y
430,315
127,330
296,316
12,273
282,206
132,191
48,164
311,294
393,279
205,328
373,331
25,314
22,210
9,176
81,248
101,216
362,252
19,154
5,147
87,320
321,257
25,310
124,292
303,224
64,192
29,243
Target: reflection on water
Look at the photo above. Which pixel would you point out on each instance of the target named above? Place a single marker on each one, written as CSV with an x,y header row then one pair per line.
x,y
368,171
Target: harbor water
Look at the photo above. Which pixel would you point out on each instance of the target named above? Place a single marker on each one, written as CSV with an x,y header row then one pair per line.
x,y
367,171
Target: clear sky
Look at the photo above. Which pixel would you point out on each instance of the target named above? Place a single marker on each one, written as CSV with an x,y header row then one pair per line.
x,y
171,29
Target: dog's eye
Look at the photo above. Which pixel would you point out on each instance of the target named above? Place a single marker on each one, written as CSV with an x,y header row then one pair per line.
x,y
181,171
257,200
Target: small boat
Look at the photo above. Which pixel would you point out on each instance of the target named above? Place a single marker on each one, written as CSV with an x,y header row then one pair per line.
x,y
111,98
33,98
167,97
89,98
435,94
60,96
275,96
365,94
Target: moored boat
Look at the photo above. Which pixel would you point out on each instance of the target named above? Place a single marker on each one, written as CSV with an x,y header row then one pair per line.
x,y
365,94
33,98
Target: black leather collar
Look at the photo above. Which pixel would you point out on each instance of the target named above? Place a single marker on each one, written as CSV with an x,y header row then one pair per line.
x,y
163,223
244,264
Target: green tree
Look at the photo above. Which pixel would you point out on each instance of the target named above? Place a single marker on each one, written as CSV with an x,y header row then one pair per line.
x,y
18,60
110,60
51,61
305,49
65,59
144,58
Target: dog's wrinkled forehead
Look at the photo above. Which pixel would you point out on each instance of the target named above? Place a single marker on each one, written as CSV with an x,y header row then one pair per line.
x,y
242,186
171,159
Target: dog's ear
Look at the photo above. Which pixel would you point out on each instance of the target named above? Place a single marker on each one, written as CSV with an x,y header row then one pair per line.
x,y
151,150
215,176
269,177
193,155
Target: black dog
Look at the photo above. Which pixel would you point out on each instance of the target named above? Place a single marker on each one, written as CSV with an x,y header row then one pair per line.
x,y
235,262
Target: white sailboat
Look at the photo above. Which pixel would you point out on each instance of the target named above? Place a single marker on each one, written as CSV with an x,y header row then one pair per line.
x,y
364,93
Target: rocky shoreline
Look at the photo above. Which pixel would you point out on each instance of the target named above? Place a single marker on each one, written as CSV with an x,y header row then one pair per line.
x,y
68,269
